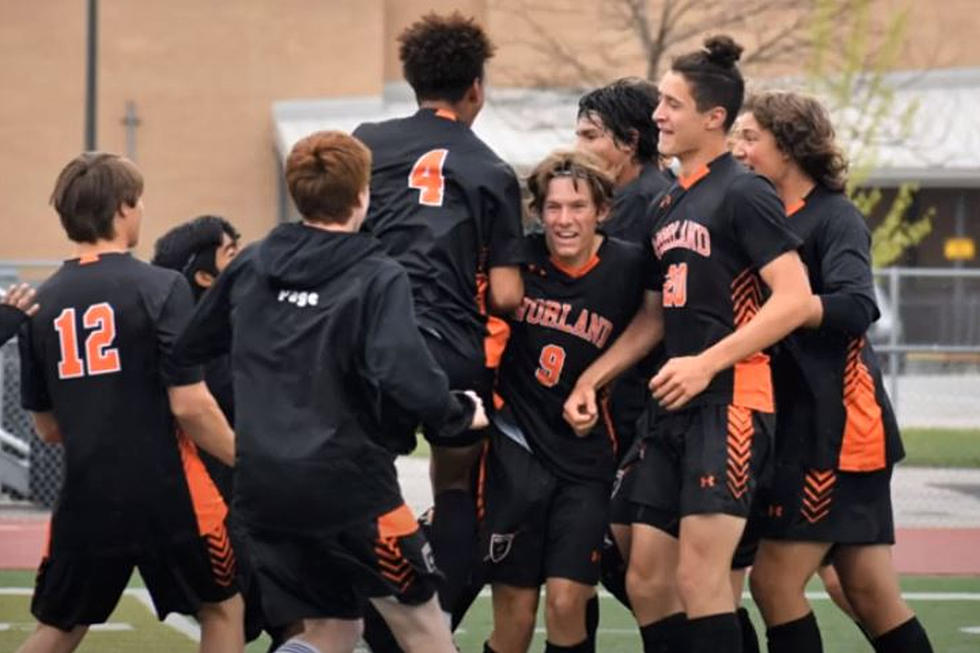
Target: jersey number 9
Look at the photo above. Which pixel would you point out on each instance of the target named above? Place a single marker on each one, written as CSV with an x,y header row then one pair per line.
x,y
550,362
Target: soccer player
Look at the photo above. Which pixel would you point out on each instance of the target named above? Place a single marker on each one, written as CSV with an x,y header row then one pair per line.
x,y
324,348
200,250
449,210
16,307
546,491
98,374
719,232
837,437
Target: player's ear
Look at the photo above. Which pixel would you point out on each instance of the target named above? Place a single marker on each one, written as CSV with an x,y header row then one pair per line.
x,y
714,118
203,279
602,213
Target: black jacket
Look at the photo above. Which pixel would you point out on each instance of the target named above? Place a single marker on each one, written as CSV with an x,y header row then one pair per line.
x,y
10,320
325,352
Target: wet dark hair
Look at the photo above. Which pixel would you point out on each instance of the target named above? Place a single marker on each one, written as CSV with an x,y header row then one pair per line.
x,y
576,165
802,129
625,107
713,76
192,246
90,190
442,55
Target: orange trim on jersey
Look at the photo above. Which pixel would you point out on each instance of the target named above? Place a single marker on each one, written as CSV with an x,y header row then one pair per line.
x,y
498,401
579,272
818,494
498,333
607,419
209,508
795,207
448,114
88,259
739,450
863,446
481,483
752,383
397,523
694,177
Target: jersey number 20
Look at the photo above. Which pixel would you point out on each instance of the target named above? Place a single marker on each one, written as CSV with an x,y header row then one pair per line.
x,y
100,358
675,286
551,361
427,178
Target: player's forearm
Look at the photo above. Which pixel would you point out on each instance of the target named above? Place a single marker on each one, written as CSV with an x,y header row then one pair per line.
x,y
644,331
47,428
506,290
782,313
200,417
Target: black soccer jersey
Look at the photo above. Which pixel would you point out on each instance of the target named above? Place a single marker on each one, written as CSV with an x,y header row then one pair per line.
x,y
98,354
832,405
331,377
712,232
448,209
631,218
10,320
566,320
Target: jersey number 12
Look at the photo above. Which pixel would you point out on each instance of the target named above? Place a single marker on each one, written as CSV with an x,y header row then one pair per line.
x,y
427,178
100,357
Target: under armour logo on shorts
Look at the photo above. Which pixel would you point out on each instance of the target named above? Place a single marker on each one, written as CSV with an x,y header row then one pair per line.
x,y
707,481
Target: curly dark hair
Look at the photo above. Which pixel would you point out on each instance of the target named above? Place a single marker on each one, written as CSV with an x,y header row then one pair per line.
x,y
802,129
442,55
574,164
625,108
713,76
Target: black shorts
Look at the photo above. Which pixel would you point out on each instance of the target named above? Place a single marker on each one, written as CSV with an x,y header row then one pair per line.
x,y
79,588
807,505
703,460
464,373
535,524
331,575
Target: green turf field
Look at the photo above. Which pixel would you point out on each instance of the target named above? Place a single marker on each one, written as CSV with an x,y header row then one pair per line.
x,y
948,607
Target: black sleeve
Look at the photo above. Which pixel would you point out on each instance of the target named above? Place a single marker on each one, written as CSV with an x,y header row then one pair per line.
x,y
174,314
33,384
398,362
207,335
759,220
502,207
10,320
653,275
848,295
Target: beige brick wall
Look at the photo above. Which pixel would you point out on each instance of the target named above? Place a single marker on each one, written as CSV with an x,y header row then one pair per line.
x,y
204,74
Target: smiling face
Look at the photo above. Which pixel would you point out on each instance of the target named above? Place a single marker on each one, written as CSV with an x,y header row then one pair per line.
x,y
570,218
756,148
683,128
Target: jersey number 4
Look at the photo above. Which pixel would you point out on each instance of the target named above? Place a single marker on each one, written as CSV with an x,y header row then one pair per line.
x,y
550,362
675,286
100,357
427,178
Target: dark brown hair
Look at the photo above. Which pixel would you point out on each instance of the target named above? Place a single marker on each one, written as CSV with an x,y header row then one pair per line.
x,y
713,76
442,55
574,164
90,190
803,131
325,172
625,107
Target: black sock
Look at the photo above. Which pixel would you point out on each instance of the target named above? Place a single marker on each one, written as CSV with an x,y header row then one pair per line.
x,y
750,641
581,647
715,634
453,528
591,620
910,637
669,635
797,636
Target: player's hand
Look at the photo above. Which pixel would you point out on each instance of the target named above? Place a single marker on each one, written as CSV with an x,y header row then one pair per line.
x,y
680,380
581,411
21,296
480,420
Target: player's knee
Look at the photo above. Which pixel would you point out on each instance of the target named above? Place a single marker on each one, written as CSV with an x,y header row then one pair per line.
x,y
868,596
697,577
565,607
645,584
764,584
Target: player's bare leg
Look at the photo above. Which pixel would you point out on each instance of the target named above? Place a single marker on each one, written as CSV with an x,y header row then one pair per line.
x,y
454,516
779,577
418,628
831,583
651,578
565,602
322,636
48,639
222,629
515,610
870,583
